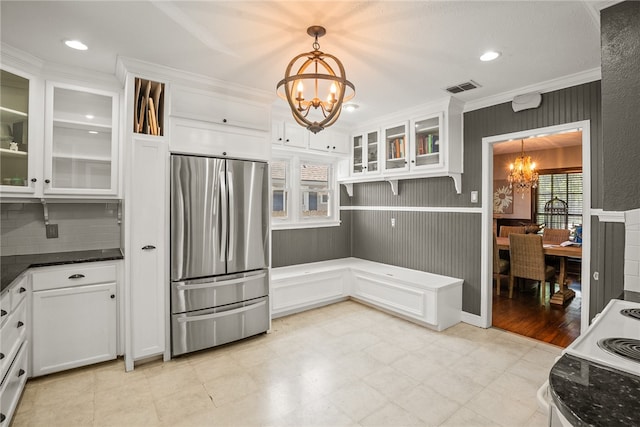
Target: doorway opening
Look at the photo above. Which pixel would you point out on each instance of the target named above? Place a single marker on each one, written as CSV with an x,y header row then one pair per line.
x,y
562,157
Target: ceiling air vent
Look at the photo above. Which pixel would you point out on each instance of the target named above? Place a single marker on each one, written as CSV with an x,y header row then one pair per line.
x,y
462,87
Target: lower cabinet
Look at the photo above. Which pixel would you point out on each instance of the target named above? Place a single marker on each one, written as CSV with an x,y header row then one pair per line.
x,y
14,347
74,317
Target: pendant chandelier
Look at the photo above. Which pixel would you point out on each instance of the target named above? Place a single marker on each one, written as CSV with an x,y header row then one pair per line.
x,y
317,75
522,173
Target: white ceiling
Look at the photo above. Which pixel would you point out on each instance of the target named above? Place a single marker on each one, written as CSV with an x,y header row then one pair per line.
x,y
541,142
398,54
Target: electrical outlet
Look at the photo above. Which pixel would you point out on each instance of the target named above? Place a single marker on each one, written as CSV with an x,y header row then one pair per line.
x,y
52,231
393,222
474,197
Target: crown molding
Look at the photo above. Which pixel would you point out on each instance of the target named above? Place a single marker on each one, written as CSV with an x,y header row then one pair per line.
x,y
125,65
582,77
20,59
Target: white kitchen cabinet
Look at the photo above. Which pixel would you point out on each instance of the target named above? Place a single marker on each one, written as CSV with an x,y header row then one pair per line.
x,y
13,346
365,154
74,312
21,153
229,111
329,141
81,141
289,134
428,143
147,250
395,148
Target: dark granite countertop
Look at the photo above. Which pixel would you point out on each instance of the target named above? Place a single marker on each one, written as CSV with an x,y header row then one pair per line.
x,y
589,394
12,266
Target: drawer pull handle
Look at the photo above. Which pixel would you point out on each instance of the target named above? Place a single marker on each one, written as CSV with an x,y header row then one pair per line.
x,y
21,372
20,324
1,356
76,276
148,247
3,313
21,290
112,296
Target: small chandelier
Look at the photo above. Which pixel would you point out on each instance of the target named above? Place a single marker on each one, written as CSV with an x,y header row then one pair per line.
x,y
316,73
522,173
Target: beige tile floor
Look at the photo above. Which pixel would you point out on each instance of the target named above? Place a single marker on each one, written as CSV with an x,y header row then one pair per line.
x,y
344,364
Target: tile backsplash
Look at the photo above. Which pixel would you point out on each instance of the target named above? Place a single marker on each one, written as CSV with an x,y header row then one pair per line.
x,y
632,251
81,226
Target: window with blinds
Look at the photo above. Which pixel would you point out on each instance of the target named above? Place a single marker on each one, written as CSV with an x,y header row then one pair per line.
x,y
566,186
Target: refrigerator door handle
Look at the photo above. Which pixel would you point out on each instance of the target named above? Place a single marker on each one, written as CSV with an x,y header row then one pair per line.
x,y
182,285
232,221
220,314
224,214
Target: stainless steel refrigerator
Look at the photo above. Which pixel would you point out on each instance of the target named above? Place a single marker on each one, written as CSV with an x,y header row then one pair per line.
x,y
219,251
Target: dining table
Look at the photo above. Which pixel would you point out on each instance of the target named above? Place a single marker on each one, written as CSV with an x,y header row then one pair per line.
x,y
573,250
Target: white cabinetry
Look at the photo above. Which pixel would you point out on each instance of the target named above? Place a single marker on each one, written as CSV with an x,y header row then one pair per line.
x,y
21,103
365,154
147,202
74,316
13,346
81,141
426,142
289,134
329,141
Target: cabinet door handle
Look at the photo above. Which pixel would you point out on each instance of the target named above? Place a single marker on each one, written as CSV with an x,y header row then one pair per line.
x,y
47,181
286,140
21,290
328,146
34,180
413,161
21,372
3,312
148,247
20,324
112,296
76,276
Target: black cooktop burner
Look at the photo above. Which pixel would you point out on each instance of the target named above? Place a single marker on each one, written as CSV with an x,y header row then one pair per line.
x,y
628,348
631,312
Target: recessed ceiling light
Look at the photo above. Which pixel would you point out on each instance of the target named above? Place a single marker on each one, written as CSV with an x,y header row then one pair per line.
x,y
350,108
76,44
89,116
93,132
489,56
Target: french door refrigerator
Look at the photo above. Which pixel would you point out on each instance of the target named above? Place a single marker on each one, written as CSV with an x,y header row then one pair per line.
x,y
219,251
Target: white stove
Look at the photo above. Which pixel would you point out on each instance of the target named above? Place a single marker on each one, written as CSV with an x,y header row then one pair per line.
x,y
613,339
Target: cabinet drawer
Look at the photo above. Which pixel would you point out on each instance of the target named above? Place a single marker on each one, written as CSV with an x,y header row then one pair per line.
x,y
5,305
77,275
12,335
12,387
18,293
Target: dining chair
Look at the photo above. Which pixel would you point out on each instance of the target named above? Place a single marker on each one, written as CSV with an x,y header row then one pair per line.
x,y
500,266
505,230
555,236
528,262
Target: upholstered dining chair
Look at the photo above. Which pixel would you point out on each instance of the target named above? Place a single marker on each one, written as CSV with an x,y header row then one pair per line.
x,y
555,236
527,261
500,266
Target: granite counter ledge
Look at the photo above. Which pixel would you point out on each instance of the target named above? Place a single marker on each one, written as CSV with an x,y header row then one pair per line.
x,y
13,265
589,394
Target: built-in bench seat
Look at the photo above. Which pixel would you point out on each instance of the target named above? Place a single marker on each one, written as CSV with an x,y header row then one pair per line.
x,y
430,299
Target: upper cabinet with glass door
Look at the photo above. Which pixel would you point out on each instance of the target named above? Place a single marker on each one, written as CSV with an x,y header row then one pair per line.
x,y
81,141
365,153
15,153
396,149
425,152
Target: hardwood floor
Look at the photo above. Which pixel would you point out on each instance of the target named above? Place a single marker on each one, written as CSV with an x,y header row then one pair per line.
x,y
524,315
